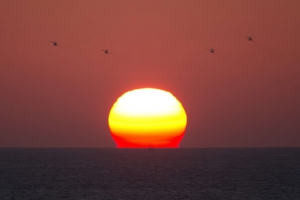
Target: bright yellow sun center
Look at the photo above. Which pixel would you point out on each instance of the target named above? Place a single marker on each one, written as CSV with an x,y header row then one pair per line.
x,y
147,116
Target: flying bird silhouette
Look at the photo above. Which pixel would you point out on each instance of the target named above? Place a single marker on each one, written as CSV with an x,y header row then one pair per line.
x,y
249,38
54,43
211,50
105,51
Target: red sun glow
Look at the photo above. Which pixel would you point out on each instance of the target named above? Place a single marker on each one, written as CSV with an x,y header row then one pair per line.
x,y
147,117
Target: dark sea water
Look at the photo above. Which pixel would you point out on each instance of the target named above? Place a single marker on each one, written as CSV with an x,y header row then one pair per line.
x,y
245,173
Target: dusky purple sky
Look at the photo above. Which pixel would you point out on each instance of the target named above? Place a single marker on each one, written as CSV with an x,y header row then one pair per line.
x,y
246,94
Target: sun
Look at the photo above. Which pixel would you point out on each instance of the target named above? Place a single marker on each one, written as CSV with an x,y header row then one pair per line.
x,y
147,117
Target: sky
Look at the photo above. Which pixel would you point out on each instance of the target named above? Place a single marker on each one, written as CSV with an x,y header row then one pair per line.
x,y
246,94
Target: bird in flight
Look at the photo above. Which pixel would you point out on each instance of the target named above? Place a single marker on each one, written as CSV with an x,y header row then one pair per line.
x,y
105,51
211,50
249,38
54,43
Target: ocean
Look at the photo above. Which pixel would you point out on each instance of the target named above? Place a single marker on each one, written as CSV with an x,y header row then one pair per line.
x,y
184,173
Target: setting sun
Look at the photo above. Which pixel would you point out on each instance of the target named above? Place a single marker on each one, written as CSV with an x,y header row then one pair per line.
x,y
147,117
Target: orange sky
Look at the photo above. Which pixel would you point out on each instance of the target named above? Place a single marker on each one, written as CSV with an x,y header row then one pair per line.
x,y
246,94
